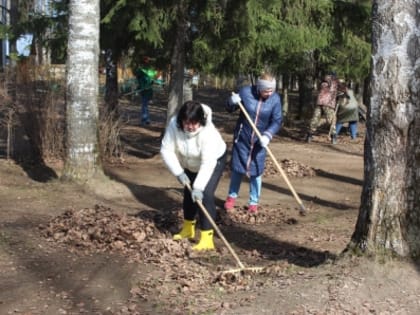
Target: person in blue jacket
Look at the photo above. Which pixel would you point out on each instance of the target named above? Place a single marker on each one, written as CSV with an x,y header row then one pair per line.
x,y
263,105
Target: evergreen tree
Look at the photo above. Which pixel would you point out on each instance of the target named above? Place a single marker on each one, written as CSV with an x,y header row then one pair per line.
x,y
351,49
166,31
47,25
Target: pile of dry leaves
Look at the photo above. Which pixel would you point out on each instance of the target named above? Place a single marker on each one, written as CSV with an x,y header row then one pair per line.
x,y
265,214
291,168
102,229
145,238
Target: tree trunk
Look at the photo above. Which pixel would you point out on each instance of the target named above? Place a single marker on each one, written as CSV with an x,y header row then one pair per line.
x,y
285,92
389,217
366,92
111,82
177,65
305,93
14,20
82,160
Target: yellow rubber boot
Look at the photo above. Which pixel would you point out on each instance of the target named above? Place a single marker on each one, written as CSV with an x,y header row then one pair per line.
x,y
206,241
187,231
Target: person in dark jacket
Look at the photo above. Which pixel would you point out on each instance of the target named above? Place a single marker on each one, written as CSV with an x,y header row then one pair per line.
x,y
263,105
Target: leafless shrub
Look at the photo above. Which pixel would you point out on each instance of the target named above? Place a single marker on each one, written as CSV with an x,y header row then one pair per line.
x,y
40,108
109,135
33,108
7,113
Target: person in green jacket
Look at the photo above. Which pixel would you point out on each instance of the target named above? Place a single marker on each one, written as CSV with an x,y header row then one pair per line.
x,y
145,76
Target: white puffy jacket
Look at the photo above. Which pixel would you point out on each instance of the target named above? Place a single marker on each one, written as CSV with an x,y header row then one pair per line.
x,y
198,154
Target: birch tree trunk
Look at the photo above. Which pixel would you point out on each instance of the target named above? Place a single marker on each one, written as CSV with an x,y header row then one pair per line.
x,y
82,160
389,217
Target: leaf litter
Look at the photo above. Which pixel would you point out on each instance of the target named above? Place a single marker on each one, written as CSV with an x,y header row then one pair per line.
x,y
146,238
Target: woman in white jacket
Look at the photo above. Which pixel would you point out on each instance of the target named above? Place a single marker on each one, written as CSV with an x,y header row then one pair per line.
x,y
195,152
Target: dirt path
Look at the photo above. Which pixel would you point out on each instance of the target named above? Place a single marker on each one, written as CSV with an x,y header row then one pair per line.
x,y
54,275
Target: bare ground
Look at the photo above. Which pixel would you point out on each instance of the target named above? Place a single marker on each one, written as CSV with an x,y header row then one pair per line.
x,y
106,247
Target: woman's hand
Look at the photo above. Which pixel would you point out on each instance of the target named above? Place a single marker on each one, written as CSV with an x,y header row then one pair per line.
x,y
183,179
264,141
234,99
197,195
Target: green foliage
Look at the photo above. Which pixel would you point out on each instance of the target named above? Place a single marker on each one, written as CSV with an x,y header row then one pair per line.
x,y
353,58
4,31
288,36
48,28
349,53
207,19
135,27
304,25
272,33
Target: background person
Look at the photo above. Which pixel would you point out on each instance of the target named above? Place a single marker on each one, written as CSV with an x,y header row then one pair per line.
x,y
145,77
195,152
348,110
263,105
325,105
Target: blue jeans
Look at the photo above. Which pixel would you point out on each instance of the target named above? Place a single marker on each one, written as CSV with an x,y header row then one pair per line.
x,y
145,109
255,183
352,126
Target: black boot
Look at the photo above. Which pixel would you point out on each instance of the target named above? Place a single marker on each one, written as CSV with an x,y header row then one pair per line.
x,y
309,137
334,139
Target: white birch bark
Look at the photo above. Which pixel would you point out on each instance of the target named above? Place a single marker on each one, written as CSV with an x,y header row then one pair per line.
x,y
82,160
389,218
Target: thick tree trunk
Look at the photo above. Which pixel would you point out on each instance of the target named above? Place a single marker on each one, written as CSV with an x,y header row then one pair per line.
x,y
389,218
82,160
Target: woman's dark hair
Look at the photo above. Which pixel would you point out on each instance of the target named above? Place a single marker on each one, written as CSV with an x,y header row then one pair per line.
x,y
191,111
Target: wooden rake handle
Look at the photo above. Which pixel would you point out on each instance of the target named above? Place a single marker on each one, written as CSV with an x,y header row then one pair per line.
x,y
219,233
302,207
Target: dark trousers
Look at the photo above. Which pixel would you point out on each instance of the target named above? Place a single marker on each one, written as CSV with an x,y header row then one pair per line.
x,y
191,209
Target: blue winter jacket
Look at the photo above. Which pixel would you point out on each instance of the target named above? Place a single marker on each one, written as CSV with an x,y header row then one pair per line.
x,y
248,156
